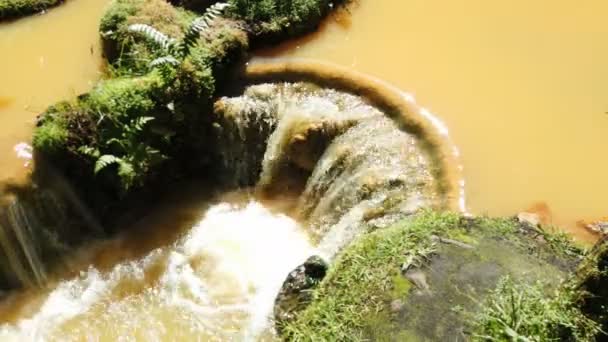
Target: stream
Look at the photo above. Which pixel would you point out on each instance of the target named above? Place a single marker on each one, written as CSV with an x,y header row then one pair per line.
x,y
520,87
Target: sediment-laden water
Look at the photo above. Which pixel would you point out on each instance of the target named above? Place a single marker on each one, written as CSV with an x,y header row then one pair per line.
x,y
520,85
318,166
45,59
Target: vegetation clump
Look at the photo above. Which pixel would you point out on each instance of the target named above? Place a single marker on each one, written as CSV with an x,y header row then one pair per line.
x,y
10,9
525,312
269,20
440,276
165,66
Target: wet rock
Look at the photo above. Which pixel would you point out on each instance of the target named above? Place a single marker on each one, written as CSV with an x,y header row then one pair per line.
x,y
296,291
531,219
597,226
418,278
542,210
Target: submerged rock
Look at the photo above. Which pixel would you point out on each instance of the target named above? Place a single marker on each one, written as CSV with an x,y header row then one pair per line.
x,y
596,226
296,291
531,219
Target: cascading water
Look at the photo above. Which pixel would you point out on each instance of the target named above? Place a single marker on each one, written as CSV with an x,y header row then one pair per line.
x,y
216,283
361,169
330,159
38,224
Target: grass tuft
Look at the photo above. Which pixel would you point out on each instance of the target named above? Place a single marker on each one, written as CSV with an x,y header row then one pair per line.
x,y
525,312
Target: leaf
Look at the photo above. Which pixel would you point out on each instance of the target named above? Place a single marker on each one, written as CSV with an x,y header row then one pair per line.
x,y
198,25
105,161
165,60
153,35
89,151
114,140
138,124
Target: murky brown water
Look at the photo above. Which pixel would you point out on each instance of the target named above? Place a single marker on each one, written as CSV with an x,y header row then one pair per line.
x,y
522,86
45,58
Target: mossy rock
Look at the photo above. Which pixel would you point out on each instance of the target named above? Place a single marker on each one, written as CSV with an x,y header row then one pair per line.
x,y
11,9
271,21
428,279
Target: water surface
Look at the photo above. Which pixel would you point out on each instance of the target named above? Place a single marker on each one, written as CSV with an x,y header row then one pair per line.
x,y
522,86
45,58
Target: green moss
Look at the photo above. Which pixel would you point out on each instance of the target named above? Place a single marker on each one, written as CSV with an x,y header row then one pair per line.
x,y
123,97
51,137
462,236
269,19
18,8
400,286
130,53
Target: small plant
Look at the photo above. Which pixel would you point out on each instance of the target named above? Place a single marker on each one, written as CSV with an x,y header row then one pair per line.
x,y
176,51
524,312
135,157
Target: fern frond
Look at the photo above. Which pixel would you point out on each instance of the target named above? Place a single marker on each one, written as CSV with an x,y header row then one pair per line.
x,y
153,35
89,151
198,25
138,124
105,161
127,173
165,60
114,141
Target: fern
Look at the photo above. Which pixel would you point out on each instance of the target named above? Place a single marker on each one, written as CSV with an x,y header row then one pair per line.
x,y
127,174
153,35
177,51
105,161
198,25
89,151
166,60
138,124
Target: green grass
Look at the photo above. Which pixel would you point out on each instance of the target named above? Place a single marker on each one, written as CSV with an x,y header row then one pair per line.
x,y
18,8
525,312
351,303
358,287
51,137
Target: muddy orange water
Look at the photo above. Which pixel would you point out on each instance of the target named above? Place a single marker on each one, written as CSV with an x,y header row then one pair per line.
x,y
522,86
44,59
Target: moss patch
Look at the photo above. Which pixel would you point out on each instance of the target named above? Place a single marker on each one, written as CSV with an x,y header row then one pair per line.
x,y
272,20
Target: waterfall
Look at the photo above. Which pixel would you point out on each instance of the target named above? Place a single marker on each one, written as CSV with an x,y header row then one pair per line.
x,y
38,224
356,168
